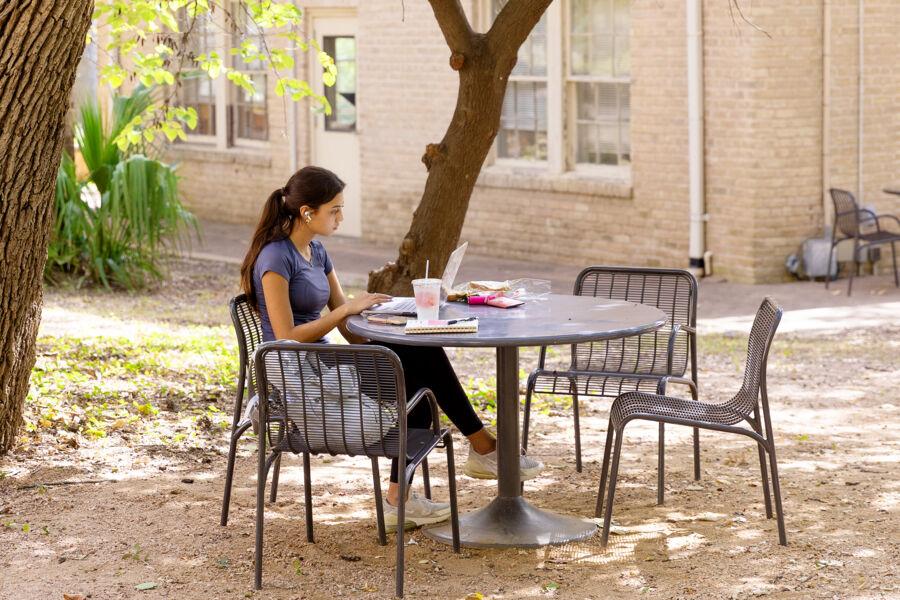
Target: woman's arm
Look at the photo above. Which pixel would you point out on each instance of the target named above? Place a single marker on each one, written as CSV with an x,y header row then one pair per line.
x,y
278,306
336,300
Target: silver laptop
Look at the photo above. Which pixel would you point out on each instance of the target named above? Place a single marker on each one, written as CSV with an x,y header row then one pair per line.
x,y
406,306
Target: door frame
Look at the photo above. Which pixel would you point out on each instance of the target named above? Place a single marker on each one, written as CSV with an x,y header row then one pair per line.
x,y
311,15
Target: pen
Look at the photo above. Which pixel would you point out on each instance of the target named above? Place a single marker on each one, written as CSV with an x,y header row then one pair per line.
x,y
452,321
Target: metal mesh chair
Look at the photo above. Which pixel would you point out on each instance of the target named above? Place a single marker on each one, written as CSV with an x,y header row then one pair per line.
x,y
248,330
744,406
645,362
344,400
847,218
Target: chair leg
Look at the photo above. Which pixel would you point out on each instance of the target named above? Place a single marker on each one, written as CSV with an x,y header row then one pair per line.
x,y
401,529
262,475
607,519
425,478
577,432
604,471
894,260
661,467
379,503
696,441
273,493
696,454
451,478
765,480
828,266
526,417
229,471
307,498
852,269
776,487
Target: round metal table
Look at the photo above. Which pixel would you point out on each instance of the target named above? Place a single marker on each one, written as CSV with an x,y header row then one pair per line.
x,y
509,520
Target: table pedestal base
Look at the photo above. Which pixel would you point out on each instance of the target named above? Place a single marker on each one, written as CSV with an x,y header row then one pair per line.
x,y
514,523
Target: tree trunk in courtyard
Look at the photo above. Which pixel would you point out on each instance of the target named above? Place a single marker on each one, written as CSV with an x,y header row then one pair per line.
x,y
41,42
484,62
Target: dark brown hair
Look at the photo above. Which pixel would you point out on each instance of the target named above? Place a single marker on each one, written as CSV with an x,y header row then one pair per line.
x,y
310,186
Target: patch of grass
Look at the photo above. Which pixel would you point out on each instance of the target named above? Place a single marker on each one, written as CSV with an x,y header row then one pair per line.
x,y
482,392
94,386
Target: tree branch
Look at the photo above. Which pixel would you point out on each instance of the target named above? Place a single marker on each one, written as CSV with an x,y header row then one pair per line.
x,y
514,23
453,23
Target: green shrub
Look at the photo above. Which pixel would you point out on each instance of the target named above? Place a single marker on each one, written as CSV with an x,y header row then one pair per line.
x,y
115,227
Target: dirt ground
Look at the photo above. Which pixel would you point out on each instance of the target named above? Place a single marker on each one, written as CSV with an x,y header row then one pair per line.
x,y
102,517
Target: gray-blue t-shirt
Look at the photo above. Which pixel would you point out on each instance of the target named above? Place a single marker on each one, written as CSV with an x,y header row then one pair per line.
x,y
308,287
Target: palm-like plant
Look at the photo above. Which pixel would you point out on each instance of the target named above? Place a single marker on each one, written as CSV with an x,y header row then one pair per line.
x,y
120,237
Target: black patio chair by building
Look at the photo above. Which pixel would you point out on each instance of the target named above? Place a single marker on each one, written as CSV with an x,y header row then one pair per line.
x,y
638,363
847,219
750,404
350,400
248,330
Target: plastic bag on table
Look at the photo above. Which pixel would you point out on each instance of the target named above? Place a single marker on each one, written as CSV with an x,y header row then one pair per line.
x,y
528,289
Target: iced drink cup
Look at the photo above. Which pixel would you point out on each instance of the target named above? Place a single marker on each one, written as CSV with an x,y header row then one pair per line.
x,y
428,298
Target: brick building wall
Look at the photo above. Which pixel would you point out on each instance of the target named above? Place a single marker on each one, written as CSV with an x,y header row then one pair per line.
x,y
764,136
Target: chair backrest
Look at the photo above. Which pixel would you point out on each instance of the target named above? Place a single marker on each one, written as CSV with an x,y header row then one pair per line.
x,y
846,212
674,291
249,334
337,399
768,316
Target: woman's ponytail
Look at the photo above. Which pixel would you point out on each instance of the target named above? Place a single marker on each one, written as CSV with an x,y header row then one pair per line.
x,y
311,187
274,224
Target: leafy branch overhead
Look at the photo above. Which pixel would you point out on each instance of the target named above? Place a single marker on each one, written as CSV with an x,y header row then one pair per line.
x,y
155,43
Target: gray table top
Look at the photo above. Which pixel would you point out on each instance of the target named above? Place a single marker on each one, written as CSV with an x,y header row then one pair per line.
x,y
558,319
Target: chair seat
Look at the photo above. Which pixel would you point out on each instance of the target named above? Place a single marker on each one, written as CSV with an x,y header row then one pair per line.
x,y
650,405
418,443
880,237
600,384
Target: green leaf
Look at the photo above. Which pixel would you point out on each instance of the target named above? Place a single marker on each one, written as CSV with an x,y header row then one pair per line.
x,y
143,587
241,80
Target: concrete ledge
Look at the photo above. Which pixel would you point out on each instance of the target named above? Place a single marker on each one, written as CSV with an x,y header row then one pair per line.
x,y
500,176
208,154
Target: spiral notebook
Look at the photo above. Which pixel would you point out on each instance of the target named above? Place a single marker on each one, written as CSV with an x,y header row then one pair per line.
x,y
442,326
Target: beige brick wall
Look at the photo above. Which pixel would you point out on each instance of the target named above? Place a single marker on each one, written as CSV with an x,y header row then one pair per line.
x,y
644,223
881,103
763,100
408,93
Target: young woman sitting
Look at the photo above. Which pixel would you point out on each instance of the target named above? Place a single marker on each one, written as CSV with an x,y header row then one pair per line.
x,y
289,277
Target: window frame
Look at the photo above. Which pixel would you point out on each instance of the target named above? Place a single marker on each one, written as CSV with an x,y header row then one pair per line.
x,y
569,84
234,92
225,137
561,106
203,138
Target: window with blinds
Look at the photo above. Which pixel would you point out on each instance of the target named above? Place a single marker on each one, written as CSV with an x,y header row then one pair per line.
x,y
599,81
523,120
196,88
249,110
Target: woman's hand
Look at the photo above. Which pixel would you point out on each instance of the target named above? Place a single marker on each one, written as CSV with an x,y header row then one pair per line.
x,y
364,301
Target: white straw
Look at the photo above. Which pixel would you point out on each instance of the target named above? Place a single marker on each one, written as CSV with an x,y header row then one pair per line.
x,y
426,268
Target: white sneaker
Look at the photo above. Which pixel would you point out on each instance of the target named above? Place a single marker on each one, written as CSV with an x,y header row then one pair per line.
x,y
419,511
484,466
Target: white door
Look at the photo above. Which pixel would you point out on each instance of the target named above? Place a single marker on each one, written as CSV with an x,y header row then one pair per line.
x,y
335,143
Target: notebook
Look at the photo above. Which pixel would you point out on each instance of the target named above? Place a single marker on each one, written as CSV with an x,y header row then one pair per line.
x,y
406,306
442,326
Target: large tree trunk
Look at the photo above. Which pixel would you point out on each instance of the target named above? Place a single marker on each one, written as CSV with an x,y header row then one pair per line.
x,y
41,42
484,62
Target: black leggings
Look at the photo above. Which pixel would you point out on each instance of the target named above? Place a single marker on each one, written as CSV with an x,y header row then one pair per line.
x,y
427,366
